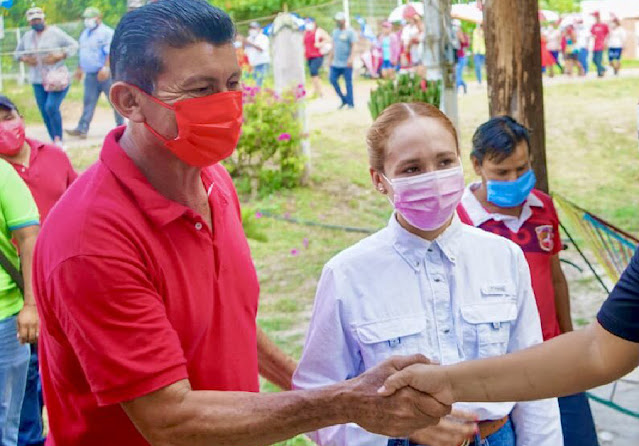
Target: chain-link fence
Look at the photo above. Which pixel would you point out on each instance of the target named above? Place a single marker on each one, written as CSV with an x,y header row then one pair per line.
x,y
372,12
11,69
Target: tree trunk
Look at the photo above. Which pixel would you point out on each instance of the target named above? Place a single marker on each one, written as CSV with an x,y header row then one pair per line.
x,y
513,64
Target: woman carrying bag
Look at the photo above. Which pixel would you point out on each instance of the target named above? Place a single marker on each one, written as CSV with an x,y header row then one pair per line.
x,y
44,49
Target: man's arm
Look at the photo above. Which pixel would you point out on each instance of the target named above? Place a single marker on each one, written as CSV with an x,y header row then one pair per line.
x,y
562,295
28,323
567,364
273,363
176,415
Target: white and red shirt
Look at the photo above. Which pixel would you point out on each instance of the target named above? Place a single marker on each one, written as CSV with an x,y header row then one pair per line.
x,y
600,31
536,231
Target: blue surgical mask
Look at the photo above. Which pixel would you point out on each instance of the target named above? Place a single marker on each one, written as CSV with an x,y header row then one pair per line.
x,y
510,194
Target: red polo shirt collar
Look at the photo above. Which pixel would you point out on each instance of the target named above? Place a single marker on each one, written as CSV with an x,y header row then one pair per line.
x,y
160,209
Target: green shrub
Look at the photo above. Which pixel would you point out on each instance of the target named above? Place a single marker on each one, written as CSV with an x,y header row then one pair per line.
x,y
268,155
406,88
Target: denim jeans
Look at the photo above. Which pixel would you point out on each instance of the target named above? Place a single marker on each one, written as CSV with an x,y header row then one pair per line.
x,y
14,361
92,90
459,72
347,73
49,104
31,416
259,73
503,437
583,59
597,58
576,421
480,60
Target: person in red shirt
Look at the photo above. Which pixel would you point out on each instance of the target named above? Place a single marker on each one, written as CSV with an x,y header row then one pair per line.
x,y
47,171
317,43
144,280
506,203
600,32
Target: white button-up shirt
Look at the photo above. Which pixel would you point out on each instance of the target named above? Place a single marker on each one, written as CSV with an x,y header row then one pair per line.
x,y
466,295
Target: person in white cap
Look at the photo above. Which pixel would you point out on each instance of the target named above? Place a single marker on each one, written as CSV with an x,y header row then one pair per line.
x,y
44,49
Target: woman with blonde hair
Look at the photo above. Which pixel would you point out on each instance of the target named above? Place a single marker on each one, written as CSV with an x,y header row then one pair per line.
x,y
425,284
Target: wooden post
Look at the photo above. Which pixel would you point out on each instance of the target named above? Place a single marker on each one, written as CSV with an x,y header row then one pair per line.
x,y
513,64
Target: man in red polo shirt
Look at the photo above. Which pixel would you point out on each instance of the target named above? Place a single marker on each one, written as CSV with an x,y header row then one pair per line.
x,y
506,203
600,32
144,280
46,169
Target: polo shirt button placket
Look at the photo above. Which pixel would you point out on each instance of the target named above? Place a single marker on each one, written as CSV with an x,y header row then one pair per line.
x,y
198,226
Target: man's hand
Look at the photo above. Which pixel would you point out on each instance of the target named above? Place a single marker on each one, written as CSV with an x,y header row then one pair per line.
x,y
32,61
399,415
28,324
423,378
77,75
452,430
349,62
104,74
53,58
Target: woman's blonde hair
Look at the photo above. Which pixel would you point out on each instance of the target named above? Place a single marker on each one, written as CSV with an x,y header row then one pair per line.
x,y
380,131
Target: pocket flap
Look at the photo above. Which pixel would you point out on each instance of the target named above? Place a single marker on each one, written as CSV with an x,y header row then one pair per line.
x,y
380,331
486,313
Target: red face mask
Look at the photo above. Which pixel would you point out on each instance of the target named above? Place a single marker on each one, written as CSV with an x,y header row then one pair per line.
x,y
208,127
11,136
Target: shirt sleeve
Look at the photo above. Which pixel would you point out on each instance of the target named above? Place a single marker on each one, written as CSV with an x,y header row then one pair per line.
x,y
67,42
109,37
16,202
537,423
19,48
330,356
620,312
117,325
558,245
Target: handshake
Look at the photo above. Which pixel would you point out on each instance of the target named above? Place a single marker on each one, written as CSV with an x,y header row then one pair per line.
x,y
405,397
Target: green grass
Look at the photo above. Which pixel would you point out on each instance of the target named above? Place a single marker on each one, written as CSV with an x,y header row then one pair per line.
x,y
22,96
592,157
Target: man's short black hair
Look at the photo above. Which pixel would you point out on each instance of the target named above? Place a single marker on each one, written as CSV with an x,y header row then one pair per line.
x,y
498,138
136,50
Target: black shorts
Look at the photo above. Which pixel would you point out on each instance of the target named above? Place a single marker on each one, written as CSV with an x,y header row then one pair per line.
x,y
314,65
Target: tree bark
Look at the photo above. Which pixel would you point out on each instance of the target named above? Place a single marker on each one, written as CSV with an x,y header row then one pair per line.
x,y
513,64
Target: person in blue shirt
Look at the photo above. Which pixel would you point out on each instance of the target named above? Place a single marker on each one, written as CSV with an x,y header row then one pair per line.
x,y
342,60
95,41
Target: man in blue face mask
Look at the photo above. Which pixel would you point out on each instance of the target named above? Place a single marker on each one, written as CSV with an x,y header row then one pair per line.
x,y
506,203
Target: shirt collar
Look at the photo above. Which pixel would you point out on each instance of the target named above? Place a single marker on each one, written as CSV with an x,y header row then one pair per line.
x,y
479,215
35,146
160,209
413,249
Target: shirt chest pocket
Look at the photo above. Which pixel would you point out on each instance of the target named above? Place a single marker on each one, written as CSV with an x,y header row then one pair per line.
x,y
379,340
487,327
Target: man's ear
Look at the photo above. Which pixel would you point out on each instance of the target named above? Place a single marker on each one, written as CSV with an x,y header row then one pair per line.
x,y
126,99
476,165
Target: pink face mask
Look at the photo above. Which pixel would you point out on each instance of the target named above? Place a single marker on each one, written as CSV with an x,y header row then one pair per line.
x,y
427,201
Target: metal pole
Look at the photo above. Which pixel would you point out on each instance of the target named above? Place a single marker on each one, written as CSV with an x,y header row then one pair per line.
x,y
347,11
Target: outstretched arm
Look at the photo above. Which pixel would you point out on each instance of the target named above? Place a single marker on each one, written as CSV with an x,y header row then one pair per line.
x,y
570,363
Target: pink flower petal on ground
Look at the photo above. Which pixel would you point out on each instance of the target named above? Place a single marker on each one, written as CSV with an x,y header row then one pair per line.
x,y
294,252
258,215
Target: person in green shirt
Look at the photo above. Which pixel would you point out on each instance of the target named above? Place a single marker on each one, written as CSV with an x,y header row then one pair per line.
x,y
19,223
479,50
